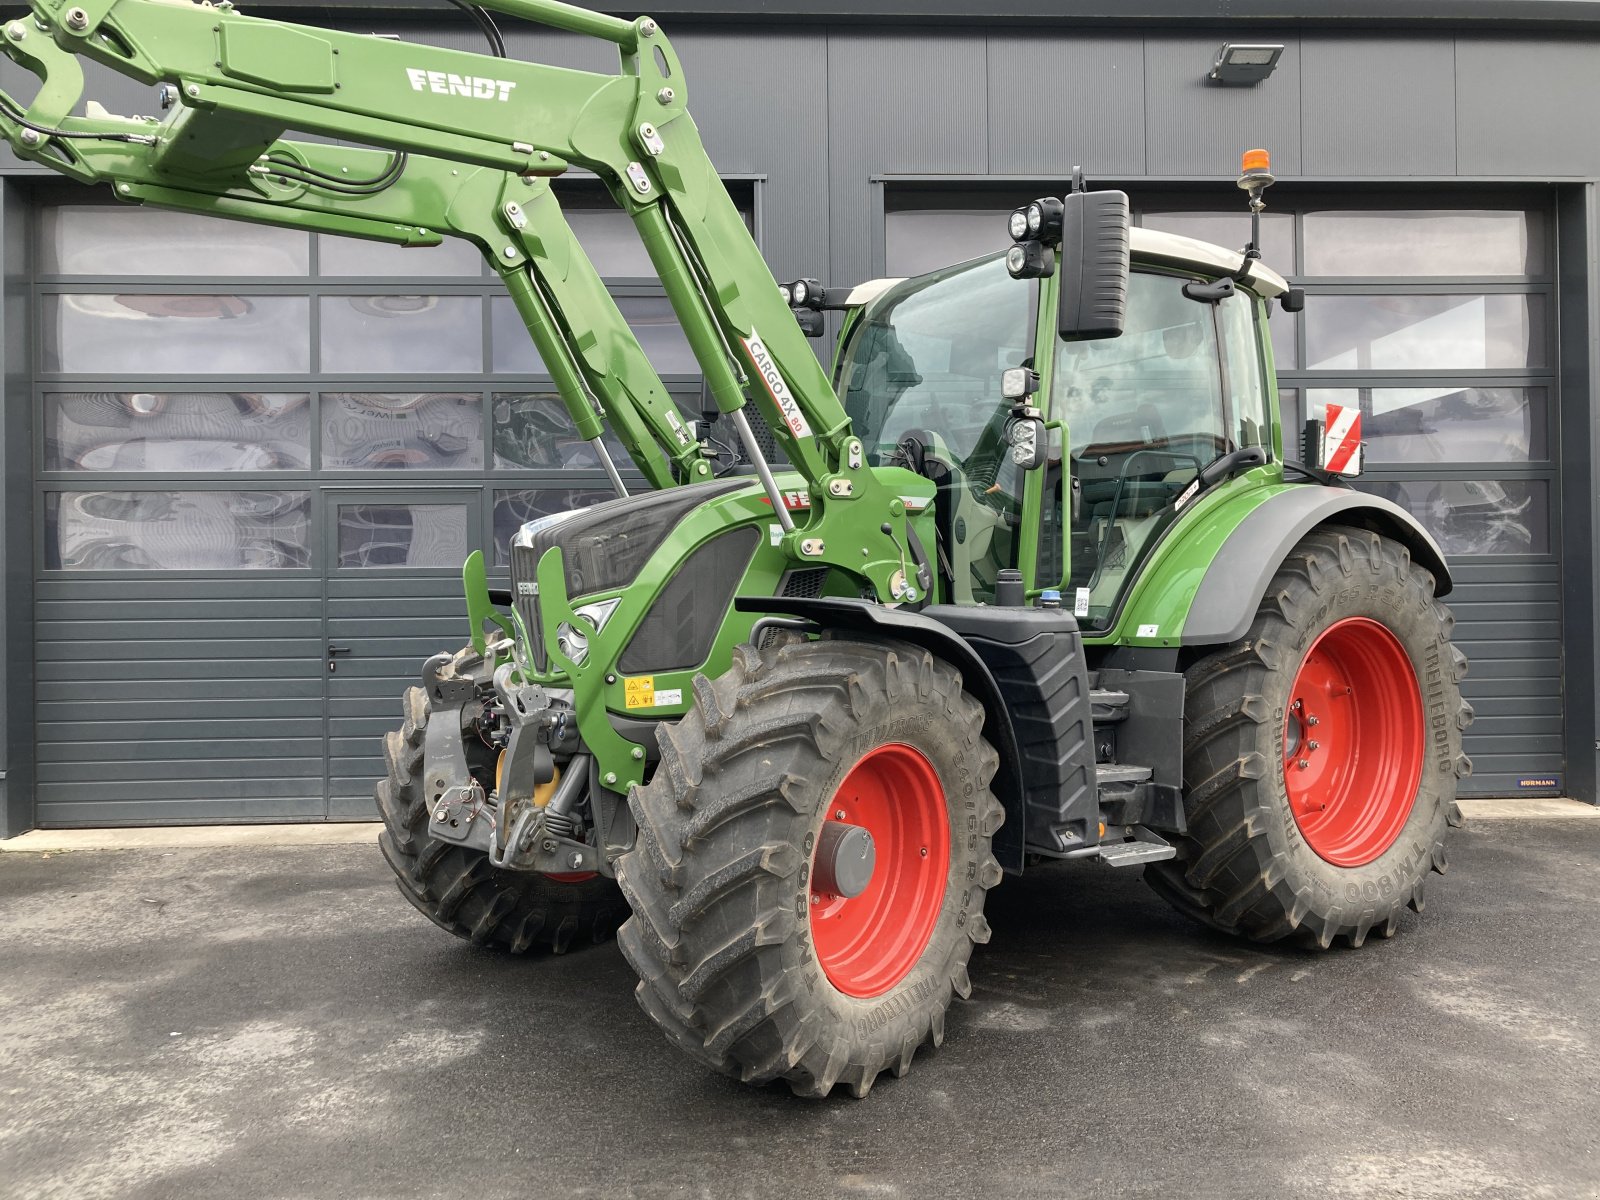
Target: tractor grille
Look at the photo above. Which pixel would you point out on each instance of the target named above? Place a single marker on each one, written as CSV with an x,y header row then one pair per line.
x,y
603,547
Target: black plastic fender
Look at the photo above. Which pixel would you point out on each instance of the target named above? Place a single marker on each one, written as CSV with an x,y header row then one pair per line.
x,y
873,620
1231,590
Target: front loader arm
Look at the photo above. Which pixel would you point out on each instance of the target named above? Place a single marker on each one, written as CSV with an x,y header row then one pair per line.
x,y
241,82
596,364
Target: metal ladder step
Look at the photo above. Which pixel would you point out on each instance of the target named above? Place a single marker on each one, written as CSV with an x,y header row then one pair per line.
x,y
1120,773
1146,849
1107,705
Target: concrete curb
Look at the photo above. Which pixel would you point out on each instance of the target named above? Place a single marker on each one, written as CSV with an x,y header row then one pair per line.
x,y
179,837
52,841
1528,808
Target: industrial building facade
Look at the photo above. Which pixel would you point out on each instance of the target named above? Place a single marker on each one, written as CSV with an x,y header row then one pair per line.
x,y
242,465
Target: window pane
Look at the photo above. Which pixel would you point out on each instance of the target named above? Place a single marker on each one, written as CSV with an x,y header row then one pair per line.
x,y
1424,333
1424,242
652,320
1476,516
1231,231
1160,382
1283,328
533,430
402,535
513,510
371,335
95,240
402,431
1294,423
177,431
656,326
1446,424
612,243
917,242
1247,401
176,531
133,334
357,256
512,351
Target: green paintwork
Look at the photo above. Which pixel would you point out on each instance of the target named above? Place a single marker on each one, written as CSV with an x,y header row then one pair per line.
x,y
480,609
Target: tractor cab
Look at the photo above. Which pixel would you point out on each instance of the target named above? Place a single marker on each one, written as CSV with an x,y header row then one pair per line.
x,y
1132,421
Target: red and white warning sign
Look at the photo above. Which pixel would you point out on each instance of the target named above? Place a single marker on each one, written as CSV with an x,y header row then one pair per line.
x,y
1341,440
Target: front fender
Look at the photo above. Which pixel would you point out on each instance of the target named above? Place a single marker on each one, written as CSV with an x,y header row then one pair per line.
x,y
873,620
1231,589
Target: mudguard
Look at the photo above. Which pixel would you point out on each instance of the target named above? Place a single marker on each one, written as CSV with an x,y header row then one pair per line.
x,y
864,617
1225,603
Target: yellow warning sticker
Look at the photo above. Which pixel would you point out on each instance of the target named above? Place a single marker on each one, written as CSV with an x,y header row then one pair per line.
x,y
640,692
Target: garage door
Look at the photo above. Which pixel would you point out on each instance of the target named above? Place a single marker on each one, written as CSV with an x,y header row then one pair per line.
x,y
1436,318
260,459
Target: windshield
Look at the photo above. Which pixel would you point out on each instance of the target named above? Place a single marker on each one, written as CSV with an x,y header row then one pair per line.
x,y
920,379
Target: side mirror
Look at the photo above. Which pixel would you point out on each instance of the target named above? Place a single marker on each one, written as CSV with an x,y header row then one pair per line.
x,y
1094,265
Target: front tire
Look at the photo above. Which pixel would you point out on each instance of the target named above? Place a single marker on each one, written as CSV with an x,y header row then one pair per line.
x,y
457,889
746,959
1322,752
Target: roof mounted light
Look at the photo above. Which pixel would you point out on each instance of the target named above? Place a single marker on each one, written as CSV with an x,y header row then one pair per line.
x,y
1031,260
1017,225
1241,64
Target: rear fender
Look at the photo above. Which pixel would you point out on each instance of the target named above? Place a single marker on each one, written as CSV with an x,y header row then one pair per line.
x,y
873,620
1231,590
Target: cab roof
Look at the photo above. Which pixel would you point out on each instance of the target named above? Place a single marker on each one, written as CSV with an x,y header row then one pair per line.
x,y
1147,246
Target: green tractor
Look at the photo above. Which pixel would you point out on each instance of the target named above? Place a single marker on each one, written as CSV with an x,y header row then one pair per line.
x,y
1030,577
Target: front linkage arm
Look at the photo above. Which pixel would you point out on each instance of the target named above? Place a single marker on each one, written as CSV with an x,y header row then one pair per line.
x,y
240,82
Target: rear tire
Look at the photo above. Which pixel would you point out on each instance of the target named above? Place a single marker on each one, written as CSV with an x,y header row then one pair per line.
x,y
1322,827
744,959
457,889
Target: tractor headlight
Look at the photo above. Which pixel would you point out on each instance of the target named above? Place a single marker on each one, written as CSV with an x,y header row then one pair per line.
x,y
788,296
1030,260
573,640
1017,225
1035,219
799,293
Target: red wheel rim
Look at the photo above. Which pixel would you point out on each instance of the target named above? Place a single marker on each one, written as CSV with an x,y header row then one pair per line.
x,y
1353,742
868,943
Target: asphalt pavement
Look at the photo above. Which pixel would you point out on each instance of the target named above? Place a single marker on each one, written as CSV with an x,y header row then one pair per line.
x,y
277,1022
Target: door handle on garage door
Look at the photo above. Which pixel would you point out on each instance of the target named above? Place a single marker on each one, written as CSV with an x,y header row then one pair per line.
x,y
332,651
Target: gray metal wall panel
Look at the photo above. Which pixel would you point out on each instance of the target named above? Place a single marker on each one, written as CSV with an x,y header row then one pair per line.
x,y
902,104
391,624
175,699
1057,102
1508,623
1195,129
1378,107
1525,106
765,113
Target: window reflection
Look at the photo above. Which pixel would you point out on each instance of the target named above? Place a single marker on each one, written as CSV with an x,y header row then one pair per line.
x,y
135,333
1424,333
534,430
434,335
1420,242
1476,516
402,431
513,510
176,531
177,431
402,535
1445,424
83,239
652,320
